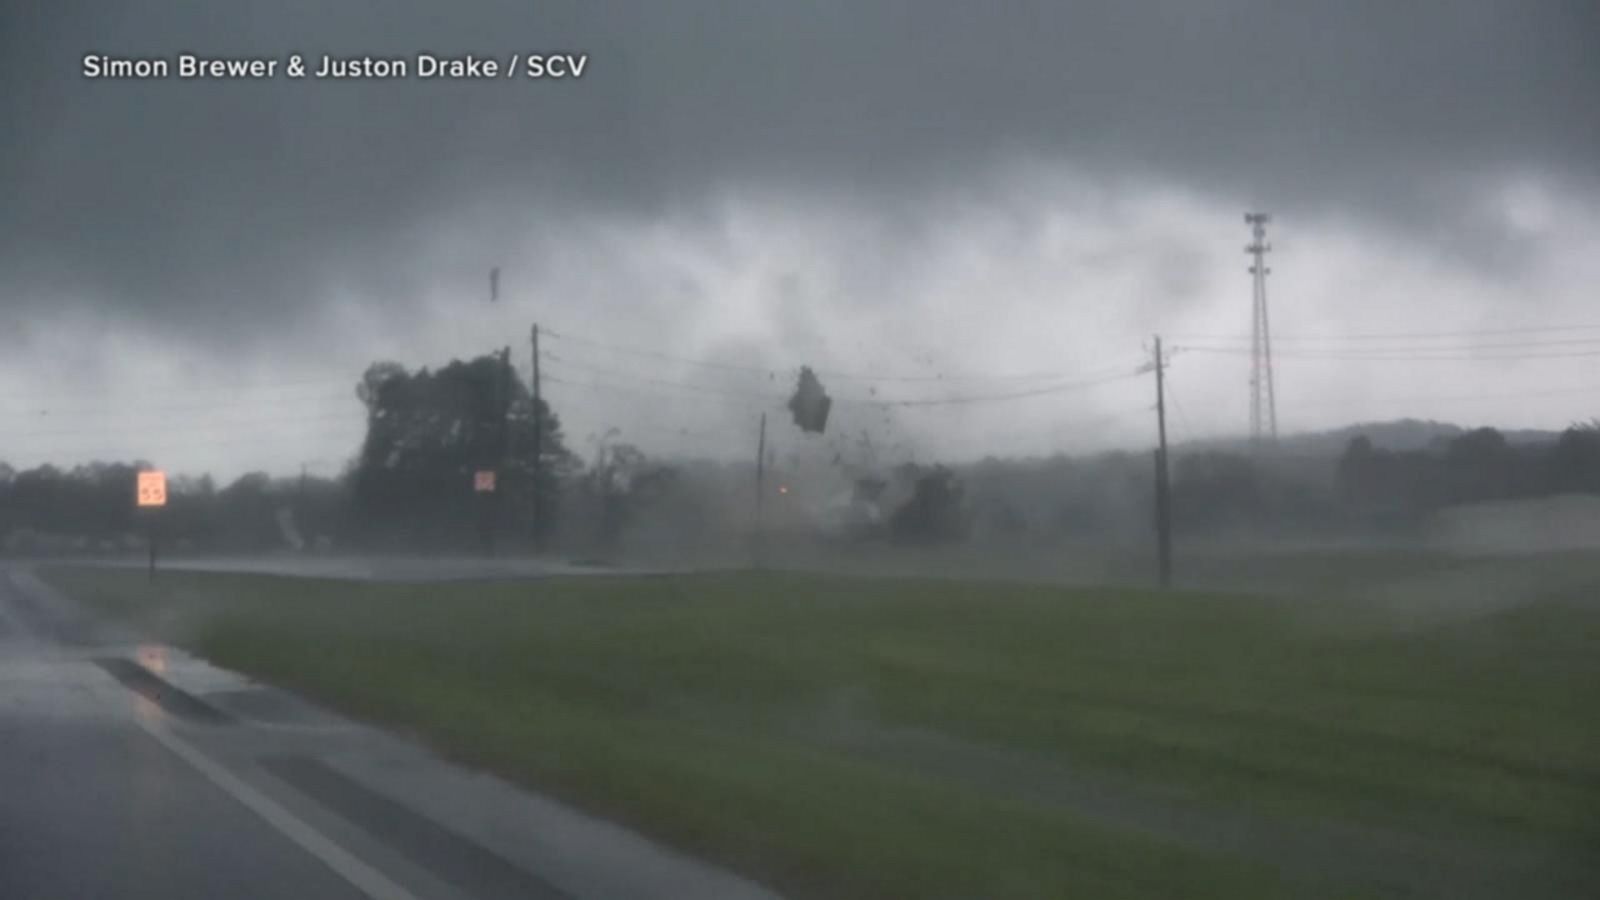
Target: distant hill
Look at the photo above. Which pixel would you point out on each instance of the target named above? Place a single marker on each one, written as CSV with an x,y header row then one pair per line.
x,y
1396,434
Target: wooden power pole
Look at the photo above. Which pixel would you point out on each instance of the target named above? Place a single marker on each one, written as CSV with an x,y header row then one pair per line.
x,y
1163,484
761,488
761,468
538,442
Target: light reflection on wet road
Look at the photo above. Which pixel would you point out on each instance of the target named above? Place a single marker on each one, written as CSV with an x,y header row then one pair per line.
x,y
91,806
132,769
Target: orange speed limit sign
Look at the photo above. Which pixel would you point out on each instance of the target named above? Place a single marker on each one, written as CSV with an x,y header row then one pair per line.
x,y
152,488
483,481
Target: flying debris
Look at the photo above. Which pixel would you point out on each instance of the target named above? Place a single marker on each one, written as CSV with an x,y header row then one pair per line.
x,y
810,403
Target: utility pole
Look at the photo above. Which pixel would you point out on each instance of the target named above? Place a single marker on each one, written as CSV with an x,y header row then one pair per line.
x,y
1163,484
761,468
1263,397
503,391
761,484
538,441
505,404
500,401
151,571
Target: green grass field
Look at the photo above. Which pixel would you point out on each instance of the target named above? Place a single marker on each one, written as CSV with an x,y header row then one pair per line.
x,y
875,737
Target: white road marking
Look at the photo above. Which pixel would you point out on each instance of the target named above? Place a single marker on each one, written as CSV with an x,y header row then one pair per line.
x,y
365,878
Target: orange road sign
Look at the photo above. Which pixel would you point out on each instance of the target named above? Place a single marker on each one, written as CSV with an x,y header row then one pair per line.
x,y
152,488
483,481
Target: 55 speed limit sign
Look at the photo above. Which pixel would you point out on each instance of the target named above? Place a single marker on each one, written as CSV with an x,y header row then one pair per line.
x,y
152,488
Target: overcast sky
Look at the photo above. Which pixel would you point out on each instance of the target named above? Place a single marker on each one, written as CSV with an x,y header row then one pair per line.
x,y
197,273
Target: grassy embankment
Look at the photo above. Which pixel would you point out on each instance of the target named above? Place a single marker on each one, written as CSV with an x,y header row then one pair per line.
x,y
884,737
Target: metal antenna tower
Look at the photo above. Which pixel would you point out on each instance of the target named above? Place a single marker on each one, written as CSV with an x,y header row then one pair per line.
x,y
1263,399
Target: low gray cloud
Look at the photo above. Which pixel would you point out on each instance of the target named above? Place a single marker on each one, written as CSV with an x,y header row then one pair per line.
x,y
954,156
205,199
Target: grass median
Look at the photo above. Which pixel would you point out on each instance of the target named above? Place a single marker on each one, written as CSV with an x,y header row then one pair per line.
x,y
871,737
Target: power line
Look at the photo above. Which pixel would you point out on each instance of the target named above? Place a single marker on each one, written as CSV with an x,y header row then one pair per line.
x,y
174,443
647,381
1013,438
1129,372
821,372
1429,348
1376,356
37,398
123,429
1007,376
113,411
956,400
1397,335
1183,418
652,391
1463,398
654,354
25,418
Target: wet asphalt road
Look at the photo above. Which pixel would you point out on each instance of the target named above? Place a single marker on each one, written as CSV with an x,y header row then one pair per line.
x,y
96,808
92,805
132,769
382,568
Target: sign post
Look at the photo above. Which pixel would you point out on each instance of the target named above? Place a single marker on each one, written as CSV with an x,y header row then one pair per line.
x,y
151,494
483,484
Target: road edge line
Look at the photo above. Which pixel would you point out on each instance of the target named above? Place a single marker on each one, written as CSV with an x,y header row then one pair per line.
x,y
362,876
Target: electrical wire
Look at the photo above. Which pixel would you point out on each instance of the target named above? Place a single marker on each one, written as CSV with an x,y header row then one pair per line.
x,y
44,398
787,369
654,354
613,373
1177,405
1395,335
1432,348
1463,398
123,429
1013,395
1076,384
652,391
1446,354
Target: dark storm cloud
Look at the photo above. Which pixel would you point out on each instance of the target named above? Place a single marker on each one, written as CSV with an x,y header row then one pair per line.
x,y
198,203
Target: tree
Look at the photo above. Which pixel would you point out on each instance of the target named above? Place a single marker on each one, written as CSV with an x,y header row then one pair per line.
x,y
1481,465
935,510
623,481
246,512
428,431
1214,489
1359,470
1573,462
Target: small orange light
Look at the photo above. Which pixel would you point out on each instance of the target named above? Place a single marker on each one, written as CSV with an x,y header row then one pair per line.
x,y
153,657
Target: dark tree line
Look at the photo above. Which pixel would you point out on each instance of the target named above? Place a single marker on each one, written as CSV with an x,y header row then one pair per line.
x,y
1368,487
90,508
411,485
1477,466
1365,489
